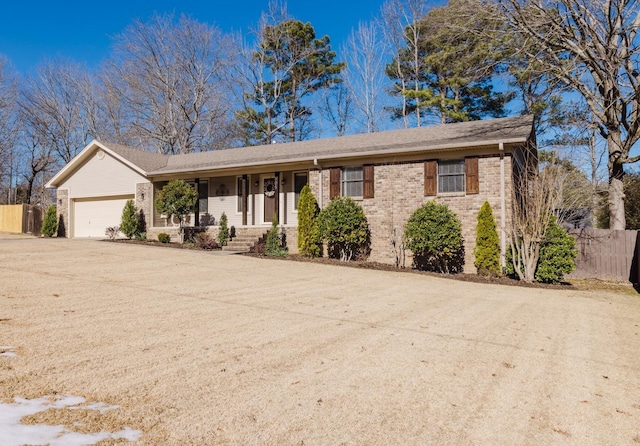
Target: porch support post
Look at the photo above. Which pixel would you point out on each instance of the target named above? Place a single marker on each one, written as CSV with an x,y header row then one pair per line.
x,y
277,195
245,200
196,211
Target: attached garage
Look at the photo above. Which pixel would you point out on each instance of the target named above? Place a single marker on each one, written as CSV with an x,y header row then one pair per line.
x,y
94,187
92,216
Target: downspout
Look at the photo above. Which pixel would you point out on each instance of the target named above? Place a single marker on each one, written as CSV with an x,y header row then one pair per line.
x,y
503,216
315,163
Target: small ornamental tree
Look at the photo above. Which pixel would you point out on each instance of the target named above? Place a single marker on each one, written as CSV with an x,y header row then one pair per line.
x,y
130,221
344,226
434,234
309,243
176,198
557,254
223,230
487,250
50,224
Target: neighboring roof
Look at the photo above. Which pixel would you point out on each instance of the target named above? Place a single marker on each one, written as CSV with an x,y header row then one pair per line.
x,y
437,137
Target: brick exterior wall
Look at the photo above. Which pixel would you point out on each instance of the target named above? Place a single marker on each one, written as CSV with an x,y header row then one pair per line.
x,y
62,208
144,202
399,191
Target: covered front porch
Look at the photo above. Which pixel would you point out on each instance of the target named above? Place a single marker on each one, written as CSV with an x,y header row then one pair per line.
x,y
250,201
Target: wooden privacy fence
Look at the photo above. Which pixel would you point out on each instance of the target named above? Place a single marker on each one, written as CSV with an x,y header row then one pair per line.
x,y
21,219
606,254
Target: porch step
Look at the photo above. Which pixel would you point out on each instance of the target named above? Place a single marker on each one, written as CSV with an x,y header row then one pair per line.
x,y
244,240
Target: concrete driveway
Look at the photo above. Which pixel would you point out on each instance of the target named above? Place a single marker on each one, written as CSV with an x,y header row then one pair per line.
x,y
195,348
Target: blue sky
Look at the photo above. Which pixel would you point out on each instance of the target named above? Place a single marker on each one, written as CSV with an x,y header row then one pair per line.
x,y
82,30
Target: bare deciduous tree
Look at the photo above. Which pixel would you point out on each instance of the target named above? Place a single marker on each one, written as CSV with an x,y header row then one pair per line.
x,y
338,108
592,47
37,162
8,96
163,73
399,19
53,104
364,53
538,195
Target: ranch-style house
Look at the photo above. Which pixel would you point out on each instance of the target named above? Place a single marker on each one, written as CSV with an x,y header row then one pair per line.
x,y
389,173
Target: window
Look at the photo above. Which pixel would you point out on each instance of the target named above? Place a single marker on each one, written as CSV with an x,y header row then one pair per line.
x,y
351,182
451,176
300,179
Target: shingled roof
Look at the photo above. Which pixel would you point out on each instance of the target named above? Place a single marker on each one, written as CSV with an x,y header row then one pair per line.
x,y
407,141
147,161
439,137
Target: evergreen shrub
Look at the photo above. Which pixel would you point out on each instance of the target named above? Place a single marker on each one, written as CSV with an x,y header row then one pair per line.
x,y
344,226
557,254
487,250
130,221
163,237
434,234
309,240
50,224
273,243
223,230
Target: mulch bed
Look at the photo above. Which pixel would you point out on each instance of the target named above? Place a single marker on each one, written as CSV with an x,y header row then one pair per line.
x,y
387,267
583,284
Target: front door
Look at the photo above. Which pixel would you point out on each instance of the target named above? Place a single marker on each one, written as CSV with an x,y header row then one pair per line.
x,y
270,188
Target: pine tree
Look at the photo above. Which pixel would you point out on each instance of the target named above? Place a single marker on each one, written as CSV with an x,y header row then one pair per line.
x,y
487,250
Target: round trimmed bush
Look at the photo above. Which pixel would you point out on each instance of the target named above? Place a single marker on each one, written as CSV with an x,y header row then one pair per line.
x,y
344,226
434,234
163,237
557,254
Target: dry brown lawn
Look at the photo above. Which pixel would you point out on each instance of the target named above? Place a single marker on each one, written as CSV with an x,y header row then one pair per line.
x,y
207,349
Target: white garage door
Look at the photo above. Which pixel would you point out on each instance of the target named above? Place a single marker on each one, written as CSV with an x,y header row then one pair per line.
x,y
92,217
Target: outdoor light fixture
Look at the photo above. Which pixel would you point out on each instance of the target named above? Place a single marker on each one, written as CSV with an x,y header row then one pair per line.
x,y
256,184
284,181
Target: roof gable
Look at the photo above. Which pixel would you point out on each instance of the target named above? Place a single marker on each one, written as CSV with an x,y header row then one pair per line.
x,y
138,160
